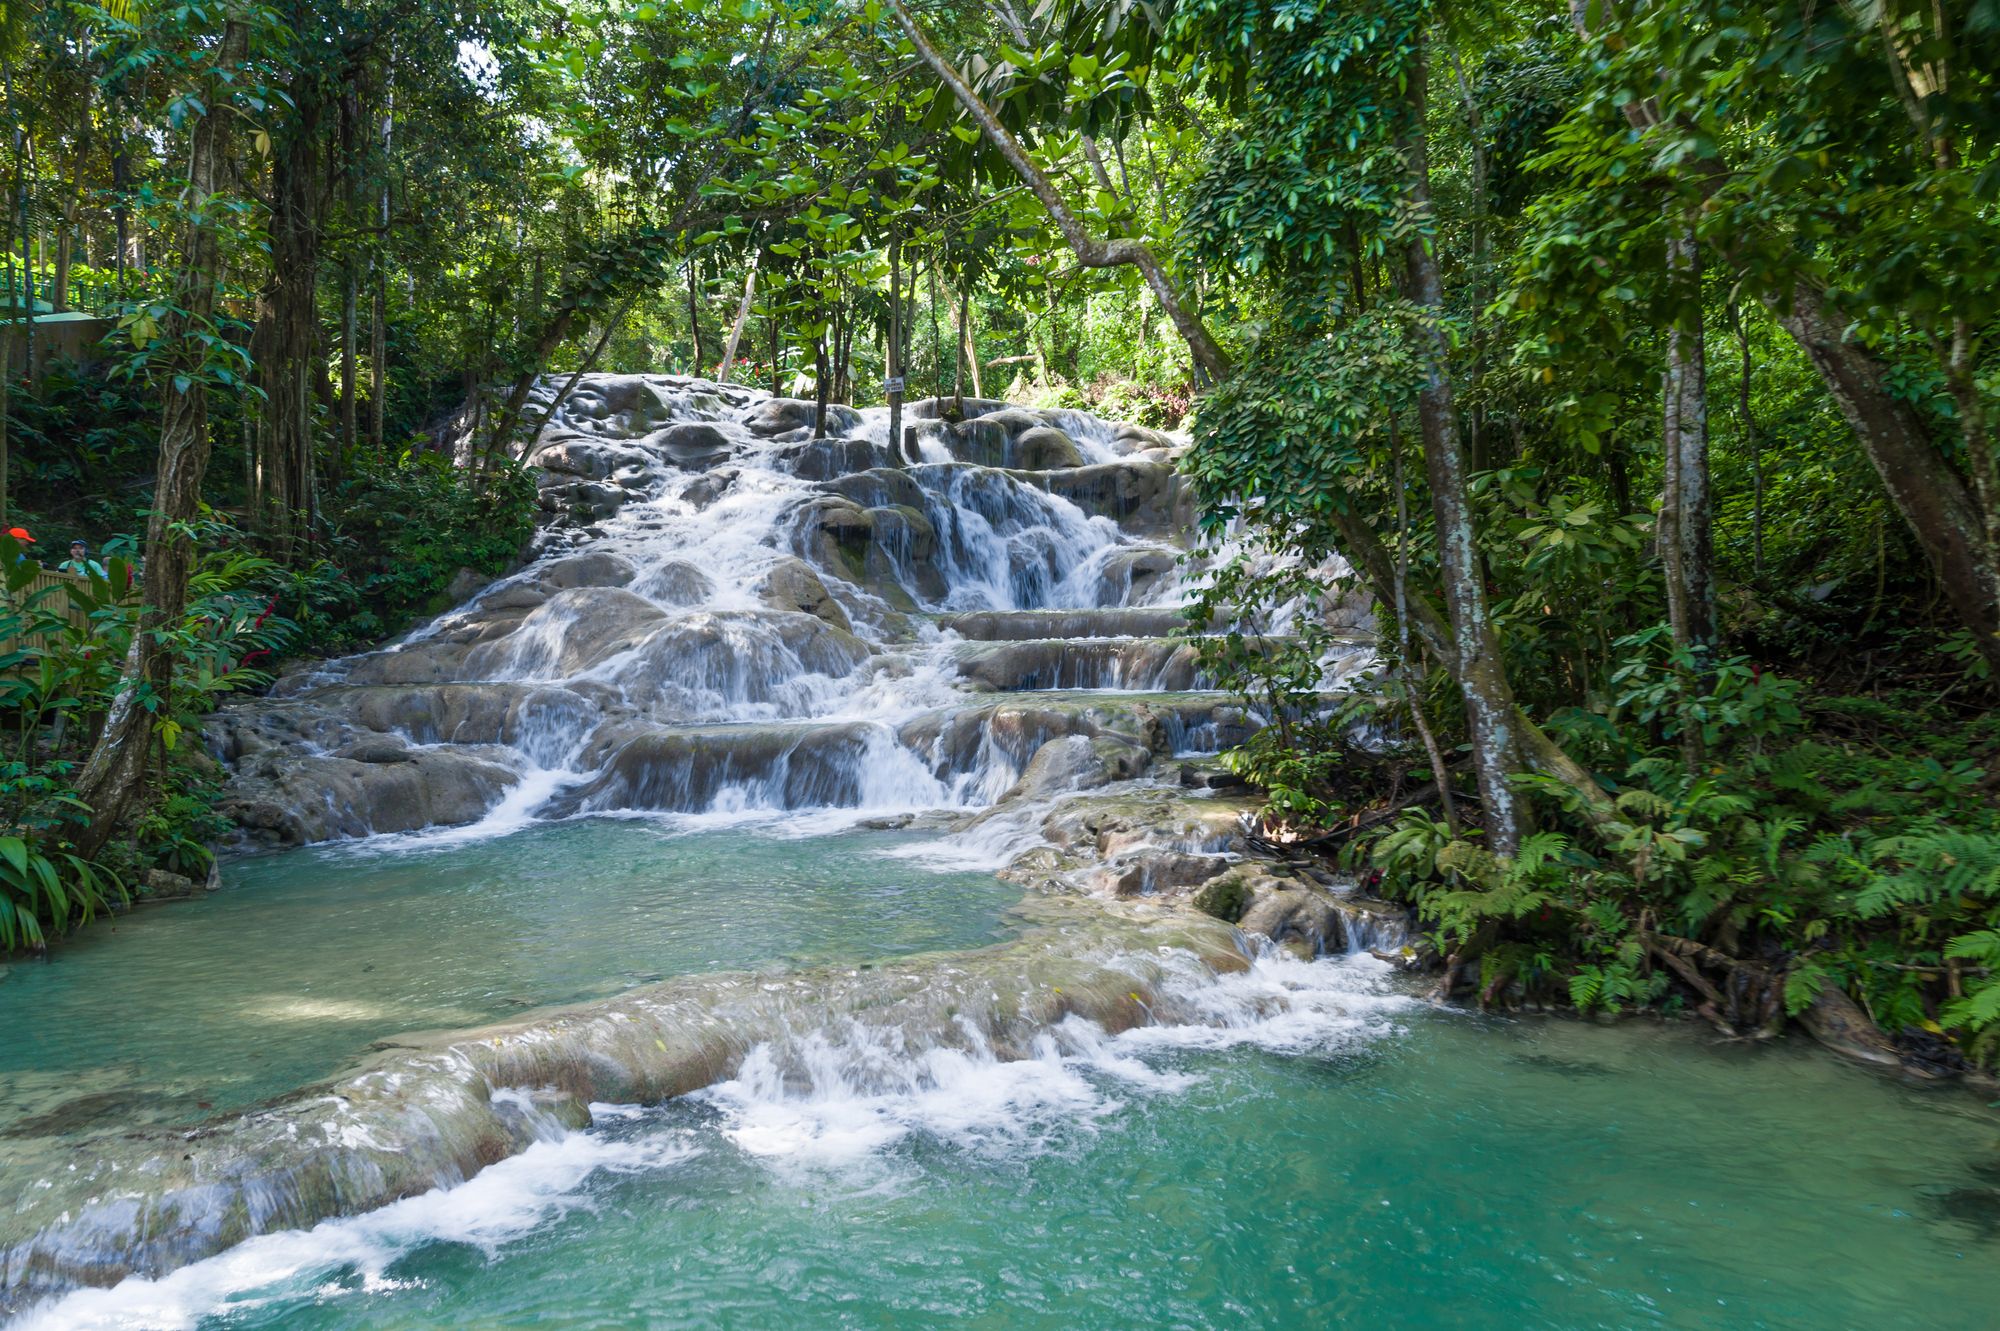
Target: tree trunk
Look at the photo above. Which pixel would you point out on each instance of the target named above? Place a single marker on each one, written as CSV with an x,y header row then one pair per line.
x,y
350,367
589,361
21,147
111,782
1684,536
121,214
820,384
509,416
1090,251
1406,663
1933,499
694,315
1490,712
742,317
282,346
969,344
958,362
7,339
892,357
378,321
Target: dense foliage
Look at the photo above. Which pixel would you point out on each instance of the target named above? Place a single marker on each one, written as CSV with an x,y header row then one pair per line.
x,y
1636,364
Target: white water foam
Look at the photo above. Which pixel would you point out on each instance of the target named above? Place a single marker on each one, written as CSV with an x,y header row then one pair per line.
x,y
842,1102
353,1255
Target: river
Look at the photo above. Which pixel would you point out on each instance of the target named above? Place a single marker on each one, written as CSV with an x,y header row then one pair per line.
x,y
769,908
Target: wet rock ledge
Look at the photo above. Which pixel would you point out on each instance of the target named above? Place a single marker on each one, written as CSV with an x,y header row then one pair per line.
x,y
430,1111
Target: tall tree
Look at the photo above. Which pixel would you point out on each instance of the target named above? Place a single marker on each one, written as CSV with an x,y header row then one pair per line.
x,y
113,779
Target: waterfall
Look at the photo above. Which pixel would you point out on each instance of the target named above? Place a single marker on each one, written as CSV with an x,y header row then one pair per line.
x,y
727,613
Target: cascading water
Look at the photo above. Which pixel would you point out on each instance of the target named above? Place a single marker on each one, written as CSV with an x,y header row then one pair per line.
x,y
909,1114
739,615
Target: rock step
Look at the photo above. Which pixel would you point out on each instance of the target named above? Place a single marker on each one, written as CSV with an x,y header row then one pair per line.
x,y
1029,625
1128,664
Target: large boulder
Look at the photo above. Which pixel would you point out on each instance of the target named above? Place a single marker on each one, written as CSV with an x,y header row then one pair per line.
x,y
616,406
792,585
712,666
676,582
891,551
574,630
777,417
781,766
694,445
1133,576
824,459
431,661
1139,495
576,456
1043,448
879,487
293,799
1079,762
1153,872
593,568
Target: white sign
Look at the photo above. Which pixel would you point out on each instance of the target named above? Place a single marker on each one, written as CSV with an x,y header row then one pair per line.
x,y
894,385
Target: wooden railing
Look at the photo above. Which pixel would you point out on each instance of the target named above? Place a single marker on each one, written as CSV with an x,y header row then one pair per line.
x,y
46,593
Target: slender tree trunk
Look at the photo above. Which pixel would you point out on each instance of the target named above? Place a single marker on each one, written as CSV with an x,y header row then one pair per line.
x,y
1490,712
72,201
742,317
1933,499
589,362
378,322
892,359
821,386
509,415
284,343
350,368
1475,124
968,342
1090,251
112,780
694,314
937,343
121,214
958,361
1686,542
6,248
1406,663
21,149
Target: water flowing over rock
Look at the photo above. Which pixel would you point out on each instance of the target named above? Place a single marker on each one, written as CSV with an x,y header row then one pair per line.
x,y
727,613
978,629
430,1111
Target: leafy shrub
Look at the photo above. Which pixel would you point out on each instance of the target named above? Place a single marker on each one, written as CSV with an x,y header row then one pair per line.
x,y
66,647
403,527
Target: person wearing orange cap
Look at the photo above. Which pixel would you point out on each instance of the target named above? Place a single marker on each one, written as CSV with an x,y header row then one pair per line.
x,y
21,537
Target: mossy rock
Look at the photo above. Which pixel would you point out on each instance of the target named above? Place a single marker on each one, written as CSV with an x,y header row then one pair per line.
x,y
1226,898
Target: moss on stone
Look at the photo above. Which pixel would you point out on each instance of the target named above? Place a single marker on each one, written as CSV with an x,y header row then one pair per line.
x,y
1226,897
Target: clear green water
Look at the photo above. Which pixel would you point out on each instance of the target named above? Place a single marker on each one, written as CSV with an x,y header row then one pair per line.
x,y
282,978
1411,1169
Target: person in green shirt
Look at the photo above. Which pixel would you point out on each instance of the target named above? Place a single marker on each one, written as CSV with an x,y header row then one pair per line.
x,y
80,562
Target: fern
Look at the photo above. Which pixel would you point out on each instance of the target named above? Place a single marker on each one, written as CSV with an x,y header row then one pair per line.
x,y
1802,985
1926,867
